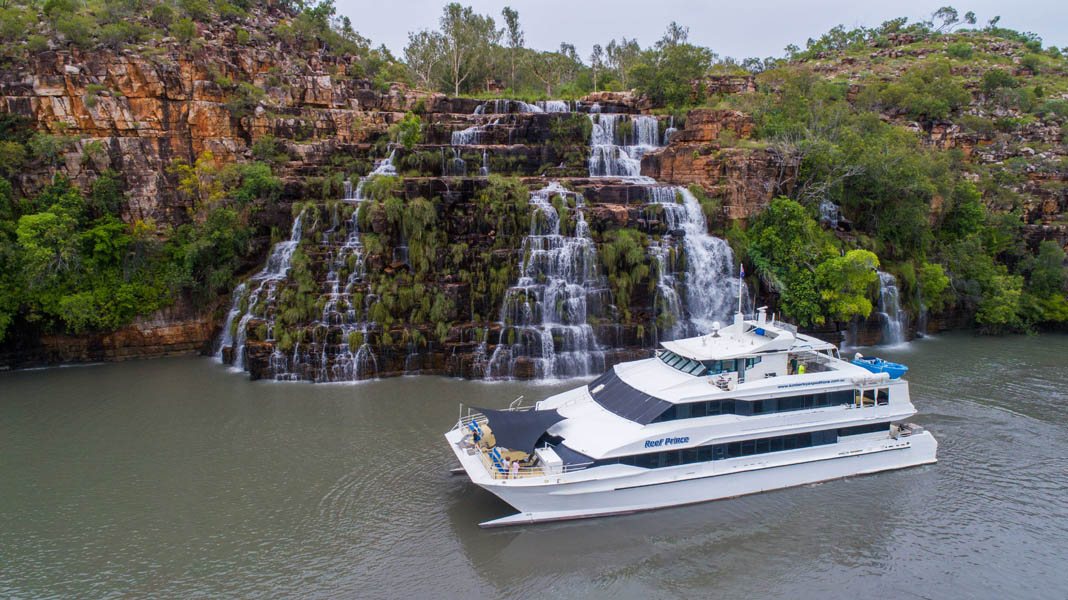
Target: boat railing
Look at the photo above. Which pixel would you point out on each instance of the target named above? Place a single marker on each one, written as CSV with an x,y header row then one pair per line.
x,y
498,471
787,326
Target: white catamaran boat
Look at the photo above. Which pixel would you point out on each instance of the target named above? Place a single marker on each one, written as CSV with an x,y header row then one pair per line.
x,y
750,407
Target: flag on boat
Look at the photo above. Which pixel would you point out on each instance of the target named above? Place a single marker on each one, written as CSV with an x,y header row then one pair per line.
x,y
741,271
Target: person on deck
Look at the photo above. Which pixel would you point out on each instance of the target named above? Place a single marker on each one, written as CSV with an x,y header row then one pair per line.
x,y
515,469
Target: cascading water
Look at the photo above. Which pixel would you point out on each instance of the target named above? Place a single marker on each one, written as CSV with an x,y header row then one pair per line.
x,y
495,107
484,171
384,167
709,287
550,106
544,316
264,287
670,131
453,167
616,153
338,350
895,319
829,213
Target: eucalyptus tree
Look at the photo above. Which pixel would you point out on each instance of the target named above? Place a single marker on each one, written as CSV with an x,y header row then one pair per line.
x,y
596,63
465,37
622,56
514,36
423,54
549,68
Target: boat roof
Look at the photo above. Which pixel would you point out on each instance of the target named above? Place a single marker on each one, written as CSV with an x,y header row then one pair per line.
x,y
745,338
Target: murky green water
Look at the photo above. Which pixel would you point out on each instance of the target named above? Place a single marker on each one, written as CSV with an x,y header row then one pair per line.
x,y
177,479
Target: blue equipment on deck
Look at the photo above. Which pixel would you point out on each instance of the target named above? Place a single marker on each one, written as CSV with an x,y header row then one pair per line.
x,y
878,365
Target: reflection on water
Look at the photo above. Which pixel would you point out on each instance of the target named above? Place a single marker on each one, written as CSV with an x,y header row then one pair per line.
x,y
173,478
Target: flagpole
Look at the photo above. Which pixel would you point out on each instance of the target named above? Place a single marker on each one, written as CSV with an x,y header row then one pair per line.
x,y
741,282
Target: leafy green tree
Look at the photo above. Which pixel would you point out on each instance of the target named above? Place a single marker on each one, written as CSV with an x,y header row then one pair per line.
x,y
423,54
466,36
622,56
664,73
514,37
933,286
1048,274
966,215
409,131
785,244
844,283
999,310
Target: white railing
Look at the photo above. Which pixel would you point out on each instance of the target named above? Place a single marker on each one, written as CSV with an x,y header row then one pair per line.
x,y
473,416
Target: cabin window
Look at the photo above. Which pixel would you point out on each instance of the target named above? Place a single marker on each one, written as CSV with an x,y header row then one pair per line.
x,y
859,429
882,396
689,455
869,397
670,458
765,406
682,411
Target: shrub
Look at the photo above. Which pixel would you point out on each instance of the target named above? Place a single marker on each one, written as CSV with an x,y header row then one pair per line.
x,y
198,10
962,50
120,33
976,124
244,99
1031,62
78,29
995,79
162,15
184,29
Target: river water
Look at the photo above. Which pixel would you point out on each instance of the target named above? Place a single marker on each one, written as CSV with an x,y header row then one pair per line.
x,y
176,478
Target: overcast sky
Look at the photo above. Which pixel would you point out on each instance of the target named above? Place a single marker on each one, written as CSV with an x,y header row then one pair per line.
x,y
737,28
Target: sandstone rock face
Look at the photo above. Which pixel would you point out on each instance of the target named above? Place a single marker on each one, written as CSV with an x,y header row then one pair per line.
x,y
170,332
722,84
746,177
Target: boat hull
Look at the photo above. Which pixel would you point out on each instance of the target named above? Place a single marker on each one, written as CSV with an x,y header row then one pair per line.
x,y
623,490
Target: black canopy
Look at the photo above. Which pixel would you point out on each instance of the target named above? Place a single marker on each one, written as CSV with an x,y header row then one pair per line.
x,y
616,396
520,429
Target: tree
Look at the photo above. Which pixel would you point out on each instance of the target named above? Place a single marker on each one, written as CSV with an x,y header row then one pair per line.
x,y
466,36
423,54
676,34
548,67
1048,274
933,286
596,63
515,37
622,56
665,73
844,282
949,17
572,62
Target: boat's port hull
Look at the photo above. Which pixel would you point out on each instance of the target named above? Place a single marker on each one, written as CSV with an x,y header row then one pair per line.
x,y
695,483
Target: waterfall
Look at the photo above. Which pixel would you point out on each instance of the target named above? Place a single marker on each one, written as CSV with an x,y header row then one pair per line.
x,y
709,287
550,106
383,167
615,153
829,213
484,171
496,107
455,166
266,283
670,131
894,318
227,339
544,315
